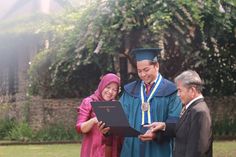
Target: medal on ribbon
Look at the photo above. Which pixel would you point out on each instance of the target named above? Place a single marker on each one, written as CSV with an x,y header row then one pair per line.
x,y
145,106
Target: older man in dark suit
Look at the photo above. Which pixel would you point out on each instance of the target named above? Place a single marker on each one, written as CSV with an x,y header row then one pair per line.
x,y
193,132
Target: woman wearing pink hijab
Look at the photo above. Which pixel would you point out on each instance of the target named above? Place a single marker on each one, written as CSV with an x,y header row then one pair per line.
x,y
94,143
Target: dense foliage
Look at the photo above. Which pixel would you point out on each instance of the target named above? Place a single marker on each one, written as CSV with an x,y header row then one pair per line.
x,y
10,129
87,42
65,69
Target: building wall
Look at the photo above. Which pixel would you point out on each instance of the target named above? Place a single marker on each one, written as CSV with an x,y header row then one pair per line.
x,y
41,112
47,111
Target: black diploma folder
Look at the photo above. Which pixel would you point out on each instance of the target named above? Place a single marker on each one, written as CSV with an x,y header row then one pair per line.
x,y
113,115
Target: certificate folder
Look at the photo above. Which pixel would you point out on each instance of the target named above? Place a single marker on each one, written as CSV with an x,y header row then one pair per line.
x,y
113,115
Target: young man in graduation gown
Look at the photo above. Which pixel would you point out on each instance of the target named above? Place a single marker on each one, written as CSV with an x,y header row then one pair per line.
x,y
150,99
193,132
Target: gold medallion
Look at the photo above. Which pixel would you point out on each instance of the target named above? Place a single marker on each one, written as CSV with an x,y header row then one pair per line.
x,y
145,106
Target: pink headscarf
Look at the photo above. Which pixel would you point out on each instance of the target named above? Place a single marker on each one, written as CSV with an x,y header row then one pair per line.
x,y
106,80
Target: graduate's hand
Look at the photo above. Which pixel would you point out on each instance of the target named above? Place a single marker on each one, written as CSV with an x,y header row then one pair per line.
x,y
148,136
155,126
102,127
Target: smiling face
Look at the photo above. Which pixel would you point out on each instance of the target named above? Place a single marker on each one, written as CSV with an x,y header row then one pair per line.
x,y
147,71
110,91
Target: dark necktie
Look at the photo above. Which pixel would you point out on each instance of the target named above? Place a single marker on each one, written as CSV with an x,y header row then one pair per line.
x,y
182,111
148,88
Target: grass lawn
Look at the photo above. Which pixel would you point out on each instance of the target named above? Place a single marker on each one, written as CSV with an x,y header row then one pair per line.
x,y
220,149
224,149
53,150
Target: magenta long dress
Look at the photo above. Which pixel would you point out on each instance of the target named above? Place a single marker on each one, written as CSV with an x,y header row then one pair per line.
x,y
93,142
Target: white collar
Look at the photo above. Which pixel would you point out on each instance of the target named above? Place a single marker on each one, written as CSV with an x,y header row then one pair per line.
x,y
199,97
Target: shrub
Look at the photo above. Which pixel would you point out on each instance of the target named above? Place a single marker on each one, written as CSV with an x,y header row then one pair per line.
x,y
56,132
21,132
6,126
224,128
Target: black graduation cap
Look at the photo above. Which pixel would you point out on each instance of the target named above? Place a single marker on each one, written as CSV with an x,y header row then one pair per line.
x,y
146,53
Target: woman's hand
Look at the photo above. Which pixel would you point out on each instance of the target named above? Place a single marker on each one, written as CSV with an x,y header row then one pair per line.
x,y
88,125
94,120
104,130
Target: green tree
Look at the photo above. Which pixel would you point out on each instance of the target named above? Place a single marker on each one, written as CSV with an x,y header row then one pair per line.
x,y
193,34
